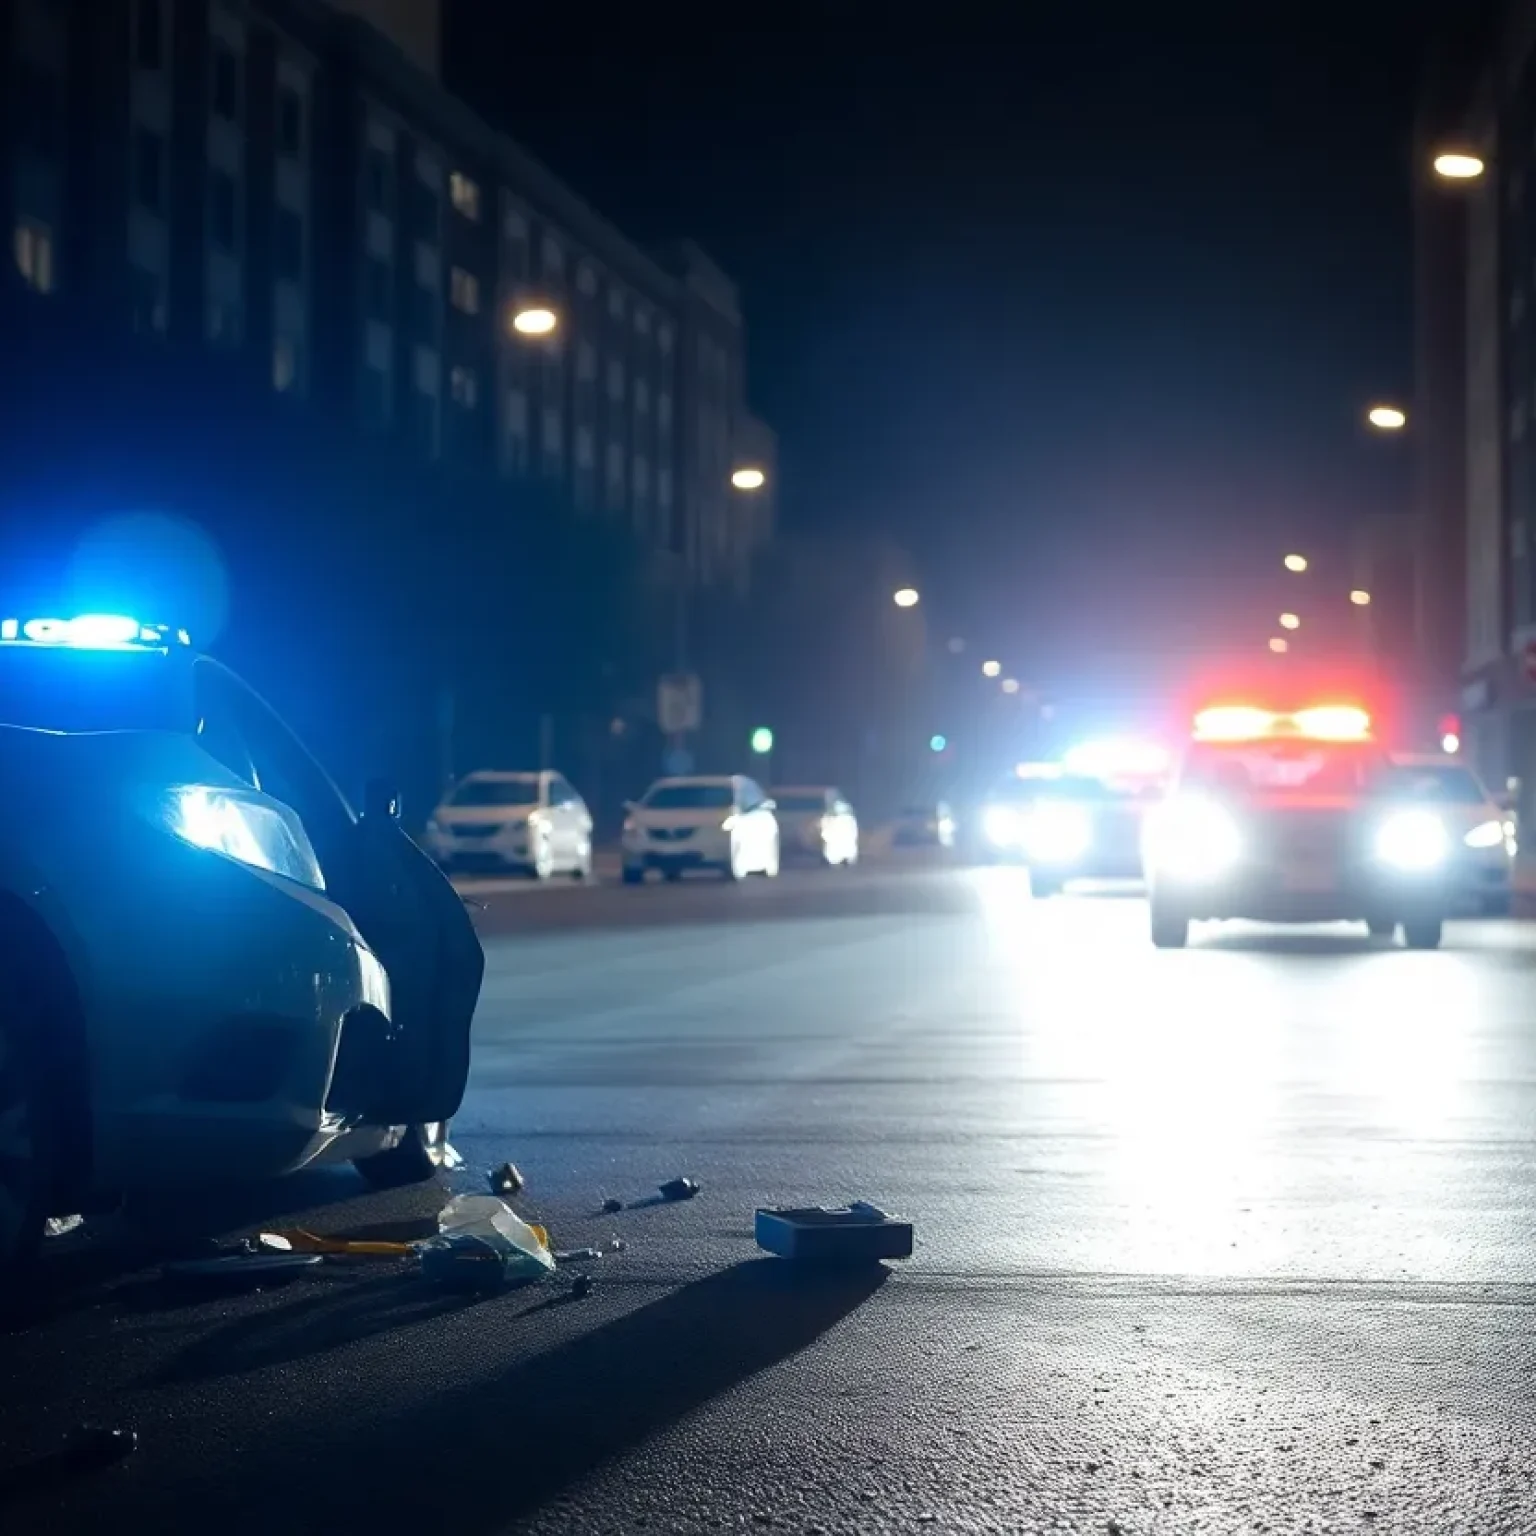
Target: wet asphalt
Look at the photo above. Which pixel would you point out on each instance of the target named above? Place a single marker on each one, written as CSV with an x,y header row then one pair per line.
x,y
1240,1238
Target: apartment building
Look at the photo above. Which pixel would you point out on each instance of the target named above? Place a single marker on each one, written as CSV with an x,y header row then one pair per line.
x,y
287,184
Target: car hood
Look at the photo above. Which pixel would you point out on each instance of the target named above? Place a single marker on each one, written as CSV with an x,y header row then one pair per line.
x,y
680,818
482,815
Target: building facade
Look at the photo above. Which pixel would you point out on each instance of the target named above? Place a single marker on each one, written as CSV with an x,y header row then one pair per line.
x,y
286,183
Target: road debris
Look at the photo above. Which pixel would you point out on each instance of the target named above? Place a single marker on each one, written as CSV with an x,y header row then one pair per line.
x,y
578,1256
482,1241
62,1226
581,1287
858,1233
297,1240
507,1181
241,1269
679,1189
612,1205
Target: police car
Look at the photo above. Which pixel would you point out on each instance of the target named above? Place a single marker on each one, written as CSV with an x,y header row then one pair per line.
x,y
214,968
1296,817
1079,819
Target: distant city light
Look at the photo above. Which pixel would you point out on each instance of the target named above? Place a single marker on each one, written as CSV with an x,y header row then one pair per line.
x,y
1459,166
1295,562
905,597
937,743
991,668
1360,598
1387,418
1279,645
1010,685
1289,621
762,741
748,478
535,321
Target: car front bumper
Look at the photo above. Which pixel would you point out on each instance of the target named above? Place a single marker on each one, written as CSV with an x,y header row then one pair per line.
x,y
699,850
1266,895
508,849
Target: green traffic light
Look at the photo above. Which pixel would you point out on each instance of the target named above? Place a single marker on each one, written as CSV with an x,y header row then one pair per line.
x,y
762,741
937,743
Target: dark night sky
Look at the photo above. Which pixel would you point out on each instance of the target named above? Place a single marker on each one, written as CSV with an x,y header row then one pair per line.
x,y
1084,315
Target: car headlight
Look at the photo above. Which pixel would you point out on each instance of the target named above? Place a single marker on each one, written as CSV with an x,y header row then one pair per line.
x,y
247,828
1193,840
1486,834
1412,840
1001,824
1057,834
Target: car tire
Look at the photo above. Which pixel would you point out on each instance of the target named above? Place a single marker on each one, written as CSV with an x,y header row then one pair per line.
x,y
1170,927
1423,933
422,1151
27,1147
633,876
1381,927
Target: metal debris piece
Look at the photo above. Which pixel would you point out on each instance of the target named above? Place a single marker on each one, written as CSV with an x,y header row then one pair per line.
x,y
578,1255
62,1226
847,1236
616,1244
507,1181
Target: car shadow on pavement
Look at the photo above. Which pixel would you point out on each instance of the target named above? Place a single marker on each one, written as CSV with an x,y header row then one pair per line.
x,y
509,1445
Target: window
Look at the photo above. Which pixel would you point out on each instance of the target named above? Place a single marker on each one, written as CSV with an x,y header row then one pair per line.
x,y
586,362
664,488
554,260
34,254
464,290
149,169
517,413
290,122
464,386
285,364
378,288
377,404
615,379
428,209
221,209
642,321
664,340
465,195
425,307
149,35
378,180
224,90
586,452
641,475
288,245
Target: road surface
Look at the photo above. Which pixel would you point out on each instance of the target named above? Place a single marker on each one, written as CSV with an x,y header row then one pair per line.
x,y
1232,1239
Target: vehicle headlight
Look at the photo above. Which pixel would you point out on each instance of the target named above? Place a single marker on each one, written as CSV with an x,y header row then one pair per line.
x,y
245,827
1486,834
1194,840
1413,840
1057,834
1001,824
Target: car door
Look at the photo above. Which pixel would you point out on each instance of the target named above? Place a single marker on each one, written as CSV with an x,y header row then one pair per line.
x,y
403,905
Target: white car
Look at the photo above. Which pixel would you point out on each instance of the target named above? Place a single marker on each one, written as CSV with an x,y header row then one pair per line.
x,y
215,969
725,823
1482,865
535,823
816,822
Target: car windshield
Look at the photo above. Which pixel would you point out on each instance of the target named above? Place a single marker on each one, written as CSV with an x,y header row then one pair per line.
x,y
1450,785
80,690
690,797
1298,768
523,790
799,800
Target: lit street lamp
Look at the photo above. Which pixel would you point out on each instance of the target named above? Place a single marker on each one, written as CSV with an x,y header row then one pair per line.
x,y
1010,685
1289,621
748,478
535,320
1296,563
1459,165
991,668
1360,598
1387,418
905,597
1279,645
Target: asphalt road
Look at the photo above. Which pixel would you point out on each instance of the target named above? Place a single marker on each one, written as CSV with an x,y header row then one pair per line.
x,y
1241,1238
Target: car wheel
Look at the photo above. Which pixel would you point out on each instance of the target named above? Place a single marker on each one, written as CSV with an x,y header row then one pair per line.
x,y
1381,927
1423,933
26,1151
421,1152
1170,927
633,875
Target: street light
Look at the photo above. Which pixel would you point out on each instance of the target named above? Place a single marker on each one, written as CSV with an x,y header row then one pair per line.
x,y
1360,598
535,320
1387,418
905,597
762,741
1459,165
1279,645
1010,685
748,478
991,668
1296,563
1289,621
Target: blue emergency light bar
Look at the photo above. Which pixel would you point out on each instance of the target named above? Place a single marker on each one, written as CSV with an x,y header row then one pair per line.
x,y
92,632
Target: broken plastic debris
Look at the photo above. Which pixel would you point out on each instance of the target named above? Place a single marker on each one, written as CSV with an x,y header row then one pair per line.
x,y
463,1263
507,1180
297,1240
616,1244
855,1234
62,1226
578,1255
679,1189
522,1249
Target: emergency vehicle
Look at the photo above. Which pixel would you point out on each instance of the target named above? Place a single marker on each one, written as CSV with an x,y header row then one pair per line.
x,y
1295,817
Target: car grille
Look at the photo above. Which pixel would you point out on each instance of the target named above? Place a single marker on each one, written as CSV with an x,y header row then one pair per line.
x,y
670,834
1316,837
476,829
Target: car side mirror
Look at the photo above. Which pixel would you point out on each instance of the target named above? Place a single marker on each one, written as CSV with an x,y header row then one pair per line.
x,y
381,801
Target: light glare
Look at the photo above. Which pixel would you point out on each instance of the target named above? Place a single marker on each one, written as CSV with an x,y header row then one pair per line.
x,y
1387,418
748,478
534,322
1459,166
905,597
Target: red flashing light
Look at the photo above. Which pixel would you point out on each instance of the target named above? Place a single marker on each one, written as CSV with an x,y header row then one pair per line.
x,y
1319,722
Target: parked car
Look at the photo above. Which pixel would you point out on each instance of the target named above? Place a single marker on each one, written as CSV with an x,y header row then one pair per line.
x,y
1485,835
724,823
215,967
534,823
928,823
816,822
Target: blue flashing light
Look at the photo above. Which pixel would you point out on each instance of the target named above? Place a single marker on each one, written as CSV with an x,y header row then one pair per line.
x,y
92,632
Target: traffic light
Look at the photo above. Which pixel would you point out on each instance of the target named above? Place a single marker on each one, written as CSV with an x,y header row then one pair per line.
x,y
937,743
762,741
